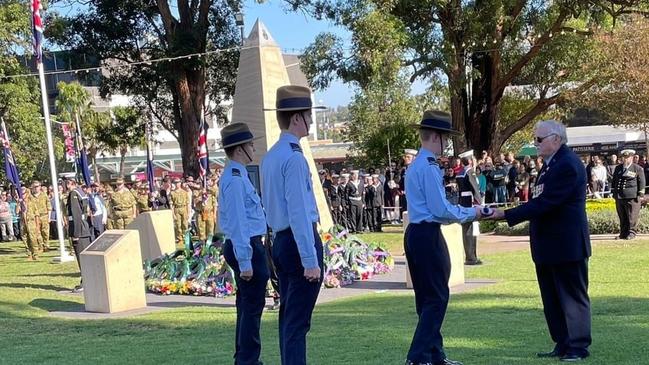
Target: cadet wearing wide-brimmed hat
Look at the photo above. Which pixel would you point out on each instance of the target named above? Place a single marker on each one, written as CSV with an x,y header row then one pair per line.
x,y
292,214
627,188
242,220
426,251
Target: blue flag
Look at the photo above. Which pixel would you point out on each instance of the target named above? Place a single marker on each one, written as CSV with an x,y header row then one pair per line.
x,y
82,165
149,169
10,164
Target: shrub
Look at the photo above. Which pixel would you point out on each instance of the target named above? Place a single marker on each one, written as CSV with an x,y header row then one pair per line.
x,y
600,221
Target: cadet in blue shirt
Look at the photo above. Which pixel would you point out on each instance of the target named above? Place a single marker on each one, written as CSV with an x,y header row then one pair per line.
x,y
292,214
242,220
425,247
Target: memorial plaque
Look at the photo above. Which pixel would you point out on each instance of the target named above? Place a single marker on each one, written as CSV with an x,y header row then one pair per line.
x,y
112,273
104,242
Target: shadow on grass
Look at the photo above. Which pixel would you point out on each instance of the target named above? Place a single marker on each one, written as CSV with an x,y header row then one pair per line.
x,y
33,286
7,251
59,274
57,305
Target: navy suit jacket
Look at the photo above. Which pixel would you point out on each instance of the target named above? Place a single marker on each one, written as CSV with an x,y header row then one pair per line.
x,y
557,211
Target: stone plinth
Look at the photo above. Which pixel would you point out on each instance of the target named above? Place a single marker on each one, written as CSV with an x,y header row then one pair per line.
x,y
111,269
156,230
453,237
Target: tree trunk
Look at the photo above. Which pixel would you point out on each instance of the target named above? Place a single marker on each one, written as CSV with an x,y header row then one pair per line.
x,y
484,109
190,91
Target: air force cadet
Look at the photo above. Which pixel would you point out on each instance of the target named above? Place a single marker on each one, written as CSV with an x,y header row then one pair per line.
x,y
425,247
243,222
469,195
292,214
628,188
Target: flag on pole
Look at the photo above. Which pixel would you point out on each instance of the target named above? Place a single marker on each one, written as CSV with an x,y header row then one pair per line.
x,y
37,28
203,160
149,168
82,165
10,164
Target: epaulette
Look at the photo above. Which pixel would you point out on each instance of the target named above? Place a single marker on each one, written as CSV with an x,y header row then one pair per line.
x,y
432,161
296,147
236,172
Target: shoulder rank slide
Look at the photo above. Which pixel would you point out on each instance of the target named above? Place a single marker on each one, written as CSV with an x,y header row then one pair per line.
x,y
236,172
296,147
432,161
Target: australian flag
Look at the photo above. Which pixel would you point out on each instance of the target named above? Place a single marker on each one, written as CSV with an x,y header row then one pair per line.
x,y
10,164
149,168
37,28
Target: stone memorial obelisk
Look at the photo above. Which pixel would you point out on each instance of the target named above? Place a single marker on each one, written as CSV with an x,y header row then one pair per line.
x,y
261,72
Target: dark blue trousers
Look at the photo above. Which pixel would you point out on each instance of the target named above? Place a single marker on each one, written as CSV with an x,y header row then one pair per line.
x,y
564,290
430,267
250,302
297,296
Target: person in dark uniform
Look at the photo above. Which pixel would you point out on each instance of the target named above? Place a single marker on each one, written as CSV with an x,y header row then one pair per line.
x,y
469,188
242,220
377,203
426,251
78,228
335,199
408,156
292,215
344,201
560,242
628,189
355,191
368,216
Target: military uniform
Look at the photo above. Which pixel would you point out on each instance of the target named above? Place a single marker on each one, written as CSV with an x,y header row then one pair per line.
x,y
344,203
142,201
377,206
31,235
44,208
469,188
78,227
205,204
628,188
426,251
335,200
122,206
179,200
355,191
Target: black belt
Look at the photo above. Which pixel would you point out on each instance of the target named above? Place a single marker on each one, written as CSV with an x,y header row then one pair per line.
x,y
287,230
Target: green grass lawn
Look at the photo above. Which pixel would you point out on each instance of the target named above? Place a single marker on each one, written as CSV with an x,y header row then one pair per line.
x,y
497,324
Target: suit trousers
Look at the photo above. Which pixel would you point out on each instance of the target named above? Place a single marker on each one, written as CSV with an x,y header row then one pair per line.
x,y
430,268
356,210
628,210
470,242
250,302
564,291
378,218
298,296
78,245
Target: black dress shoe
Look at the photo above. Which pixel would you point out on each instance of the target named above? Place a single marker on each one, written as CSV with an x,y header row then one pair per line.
x,y
553,353
572,357
448,362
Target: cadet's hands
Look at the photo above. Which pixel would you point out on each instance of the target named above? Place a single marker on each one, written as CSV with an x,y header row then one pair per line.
x,y
312,275
246,275
499,214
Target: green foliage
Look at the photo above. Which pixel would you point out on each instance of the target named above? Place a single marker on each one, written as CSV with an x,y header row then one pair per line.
x,y
20,97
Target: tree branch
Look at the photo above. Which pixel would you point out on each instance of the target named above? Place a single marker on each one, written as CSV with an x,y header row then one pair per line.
x,y
167,18
533,52
515,13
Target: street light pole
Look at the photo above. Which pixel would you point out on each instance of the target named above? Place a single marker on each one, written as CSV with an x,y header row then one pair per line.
x,y
238,17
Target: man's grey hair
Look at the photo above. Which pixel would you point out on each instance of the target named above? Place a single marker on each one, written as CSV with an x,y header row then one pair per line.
x,y
554,127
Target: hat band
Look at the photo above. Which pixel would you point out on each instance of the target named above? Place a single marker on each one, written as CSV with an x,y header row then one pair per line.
x,y
294,103
236,138
436,123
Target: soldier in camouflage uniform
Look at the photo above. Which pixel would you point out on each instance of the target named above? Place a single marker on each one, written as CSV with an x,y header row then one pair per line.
x,y
108,191
142,200
213,190
122,205
204,205
44,208
180,206
32,235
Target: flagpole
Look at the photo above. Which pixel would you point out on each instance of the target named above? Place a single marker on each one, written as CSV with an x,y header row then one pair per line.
x,y
64,256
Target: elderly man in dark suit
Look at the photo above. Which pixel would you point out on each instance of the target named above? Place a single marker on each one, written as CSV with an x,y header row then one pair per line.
x,y
560,242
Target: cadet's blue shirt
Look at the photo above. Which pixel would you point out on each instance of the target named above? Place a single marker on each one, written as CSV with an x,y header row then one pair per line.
x,y
425,193
240,213
288,197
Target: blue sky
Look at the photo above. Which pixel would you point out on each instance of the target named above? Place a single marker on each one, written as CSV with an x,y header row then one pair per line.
x,y
294,31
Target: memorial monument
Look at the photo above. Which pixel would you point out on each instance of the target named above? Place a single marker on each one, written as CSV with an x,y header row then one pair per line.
x,y
261,72
112,273
156,230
